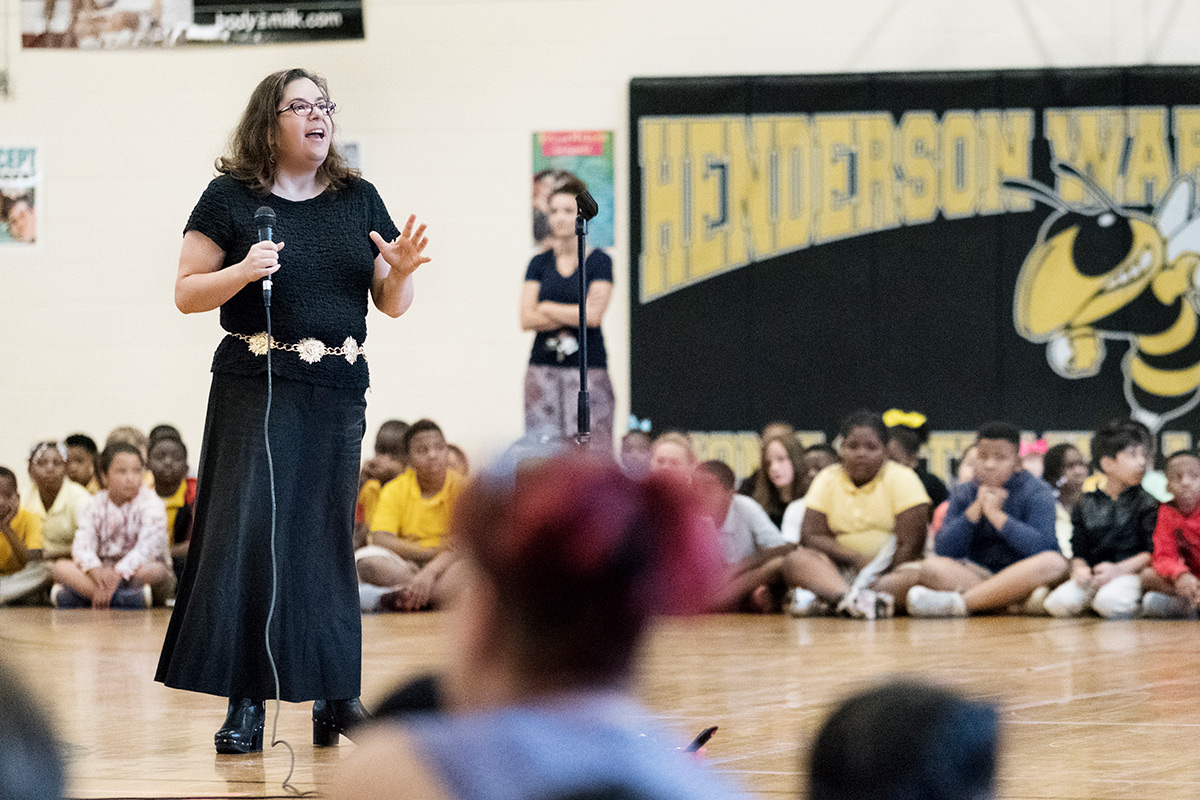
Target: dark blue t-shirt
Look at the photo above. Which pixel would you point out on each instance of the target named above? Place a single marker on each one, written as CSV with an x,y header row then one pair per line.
x,y
548,346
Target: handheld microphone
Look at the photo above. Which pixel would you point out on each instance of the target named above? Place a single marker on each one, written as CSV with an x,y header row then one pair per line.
x,y
264,220
588,207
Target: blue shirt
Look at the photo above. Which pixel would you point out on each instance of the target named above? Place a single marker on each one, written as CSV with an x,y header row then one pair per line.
x,y
548,752
1028,531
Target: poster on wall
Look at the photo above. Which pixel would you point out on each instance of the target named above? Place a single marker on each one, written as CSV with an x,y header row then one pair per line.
x,y
1017,245
588,155
19,183
120,24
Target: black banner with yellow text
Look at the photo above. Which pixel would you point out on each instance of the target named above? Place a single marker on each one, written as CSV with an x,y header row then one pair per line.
x,y
1016,245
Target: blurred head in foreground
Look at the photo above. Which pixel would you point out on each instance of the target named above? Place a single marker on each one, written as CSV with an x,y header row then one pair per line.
x,y
906,740
570,559
31,763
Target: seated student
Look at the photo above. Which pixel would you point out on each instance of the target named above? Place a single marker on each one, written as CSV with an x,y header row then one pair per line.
x,y
963,473
816,458
163,431
672,454
388,462
53,499
1065,469
997,545
906,740
456,459
81,461
635,453
129,435
168,463
1112,529
779,479
756,575
865,516
1033,457
410,524
771,430
904,447
571,561
1155,480
120,556
22,571
1175,580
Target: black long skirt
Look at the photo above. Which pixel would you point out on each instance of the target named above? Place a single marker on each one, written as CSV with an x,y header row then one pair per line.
x,y
216,639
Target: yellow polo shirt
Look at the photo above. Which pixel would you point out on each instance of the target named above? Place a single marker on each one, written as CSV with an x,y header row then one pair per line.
x,y
863,517
26,525
423,521
59,521
368,500
173,504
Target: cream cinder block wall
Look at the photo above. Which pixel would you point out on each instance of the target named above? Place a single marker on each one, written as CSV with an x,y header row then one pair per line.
x,y
443,96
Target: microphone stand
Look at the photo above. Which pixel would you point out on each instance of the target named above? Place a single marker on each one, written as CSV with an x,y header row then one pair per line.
x,y
586,209
583,433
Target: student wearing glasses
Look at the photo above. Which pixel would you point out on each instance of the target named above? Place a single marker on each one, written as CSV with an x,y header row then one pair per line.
x,y
334,247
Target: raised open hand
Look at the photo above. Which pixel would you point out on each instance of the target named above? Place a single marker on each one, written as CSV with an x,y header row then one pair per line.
x,y
404,253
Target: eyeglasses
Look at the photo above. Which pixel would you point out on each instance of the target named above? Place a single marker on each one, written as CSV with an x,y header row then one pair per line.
x,y
302,108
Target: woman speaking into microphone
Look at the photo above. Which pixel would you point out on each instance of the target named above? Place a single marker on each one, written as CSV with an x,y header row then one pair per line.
x,y
281,552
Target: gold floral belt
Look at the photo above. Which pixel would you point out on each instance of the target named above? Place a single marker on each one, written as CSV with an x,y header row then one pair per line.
x,y
310,350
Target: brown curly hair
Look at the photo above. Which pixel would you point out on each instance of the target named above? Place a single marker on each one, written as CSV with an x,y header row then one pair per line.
x,y
251,150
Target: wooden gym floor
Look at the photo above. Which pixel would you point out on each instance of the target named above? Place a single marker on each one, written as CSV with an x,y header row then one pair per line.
x,y
1090,709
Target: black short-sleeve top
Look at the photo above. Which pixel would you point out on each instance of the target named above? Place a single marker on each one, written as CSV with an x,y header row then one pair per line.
x,y
558,348
320,291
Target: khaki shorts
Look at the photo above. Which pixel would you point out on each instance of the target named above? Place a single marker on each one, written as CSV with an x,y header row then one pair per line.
x,y
982,572
375,551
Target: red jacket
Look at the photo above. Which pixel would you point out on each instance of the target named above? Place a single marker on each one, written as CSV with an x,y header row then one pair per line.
x,y
1176,543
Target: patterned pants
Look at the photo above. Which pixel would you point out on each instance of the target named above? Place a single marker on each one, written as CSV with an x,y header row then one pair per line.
x,y
552,402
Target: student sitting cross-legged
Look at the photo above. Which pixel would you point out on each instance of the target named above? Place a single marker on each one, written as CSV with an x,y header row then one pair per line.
x,y
406,547
997,544
388,462
1174,581
54,499
119,558
756,575
865,516
22,572
167,461
1112,529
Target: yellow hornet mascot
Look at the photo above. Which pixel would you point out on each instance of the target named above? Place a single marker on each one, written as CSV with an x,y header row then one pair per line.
x,y
1101,272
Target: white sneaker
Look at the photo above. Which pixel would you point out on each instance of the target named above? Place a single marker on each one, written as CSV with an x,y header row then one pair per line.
x,y
1035,604
924,602
867,604
800,602
1157,605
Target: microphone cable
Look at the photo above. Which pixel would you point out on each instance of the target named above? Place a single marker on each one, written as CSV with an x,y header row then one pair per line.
x,y
275,741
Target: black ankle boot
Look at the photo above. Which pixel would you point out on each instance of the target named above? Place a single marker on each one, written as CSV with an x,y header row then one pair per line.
x,y
334,717
243,729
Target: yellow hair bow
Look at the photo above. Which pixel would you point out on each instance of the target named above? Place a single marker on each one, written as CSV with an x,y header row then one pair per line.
x,y
894,417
